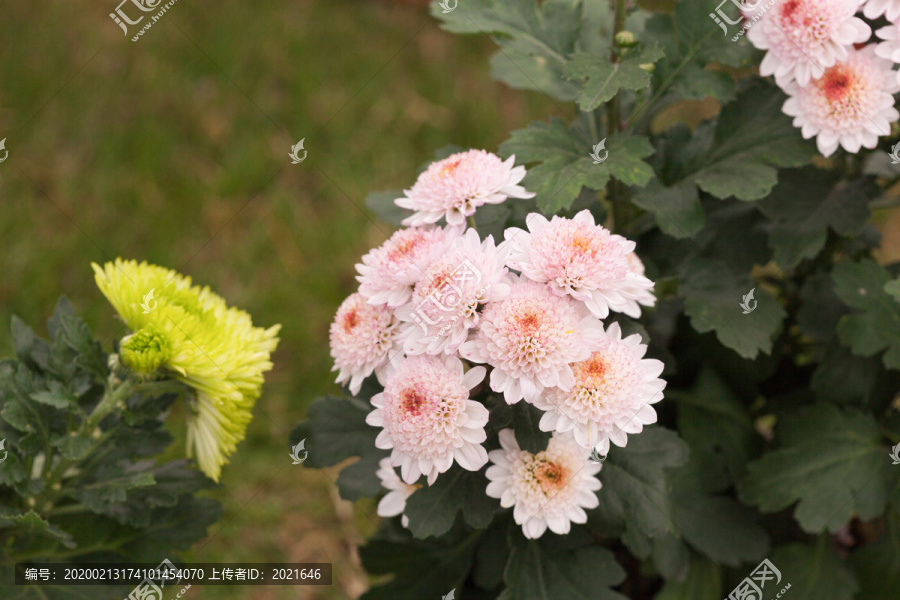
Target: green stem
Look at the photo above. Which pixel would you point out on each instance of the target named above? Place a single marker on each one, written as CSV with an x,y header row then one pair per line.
x,y
471,220
614,189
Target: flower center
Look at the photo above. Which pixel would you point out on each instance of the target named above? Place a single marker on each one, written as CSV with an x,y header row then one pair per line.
x,y
550,476
412,401
449,168
837,84
351,320
146,350
403,247
582,243
593,371
528,323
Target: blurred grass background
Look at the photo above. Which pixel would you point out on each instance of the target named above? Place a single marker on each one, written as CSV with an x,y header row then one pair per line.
x,y
173,149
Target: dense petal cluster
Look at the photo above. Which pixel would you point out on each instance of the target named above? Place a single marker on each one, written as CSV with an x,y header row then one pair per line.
x,y
428,419
582,259
363,339
191,334
612,395
549,489
454,187
439,308
840,86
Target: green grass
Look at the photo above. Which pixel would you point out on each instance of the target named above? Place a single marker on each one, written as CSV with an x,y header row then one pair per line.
x,y
174,149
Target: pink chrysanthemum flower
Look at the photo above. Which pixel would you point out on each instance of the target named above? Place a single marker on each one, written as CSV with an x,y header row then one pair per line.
x,y
363,338
875,8
577,257
890,47
611,398
548,489
394,502
428,419
637,295
530,338
803,37
850,105
445,301
387,273
455,186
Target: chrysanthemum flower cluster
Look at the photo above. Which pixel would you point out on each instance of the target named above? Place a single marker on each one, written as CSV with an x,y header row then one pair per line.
x,y
840,84
443,317
189,334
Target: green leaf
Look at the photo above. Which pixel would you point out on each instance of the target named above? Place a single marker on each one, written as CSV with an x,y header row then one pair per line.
x,y
534,40
831,461
636,495
603,78
814,572
712,295
566,166
739,153
805,204
703,582
98,495
861,286
539,571
878,564
89,353
336,430
32,523
677,209
360,480
74,447
691,41
718,427
382,204
893,288
422,568
56,395
432,509
526,424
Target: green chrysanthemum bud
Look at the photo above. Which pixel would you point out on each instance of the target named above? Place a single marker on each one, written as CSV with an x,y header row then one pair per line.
x,y
145,351
625,39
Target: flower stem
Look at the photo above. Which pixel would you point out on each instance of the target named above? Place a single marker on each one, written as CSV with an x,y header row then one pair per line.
x,y
615,191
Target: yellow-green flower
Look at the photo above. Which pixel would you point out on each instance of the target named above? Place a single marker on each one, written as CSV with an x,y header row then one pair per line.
x,y
189,333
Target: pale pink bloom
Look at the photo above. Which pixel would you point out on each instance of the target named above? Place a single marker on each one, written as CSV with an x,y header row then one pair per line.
x,y
890,47
804,37
530,338
548,489
387,273
850,105
363,339
455,186
611,398
875,8
446,299
582,259
638,295
428,419
394,502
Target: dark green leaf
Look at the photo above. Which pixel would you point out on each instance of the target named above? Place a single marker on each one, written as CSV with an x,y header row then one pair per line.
x,y
603,78
336,430
861,286
432,509
713,293
382,204
537,571
56,395
566,165
32,523
526,424
814,572
360,480
703,582
677,209
830,460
